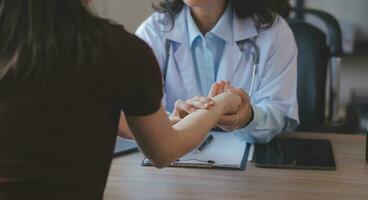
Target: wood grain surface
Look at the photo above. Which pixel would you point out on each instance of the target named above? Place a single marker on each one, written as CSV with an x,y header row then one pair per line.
x,y
128,180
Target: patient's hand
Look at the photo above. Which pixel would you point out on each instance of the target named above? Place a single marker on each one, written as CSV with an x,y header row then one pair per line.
x,y
183,108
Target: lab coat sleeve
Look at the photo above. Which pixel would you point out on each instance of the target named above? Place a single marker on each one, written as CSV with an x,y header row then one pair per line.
x,y
151,31
274,100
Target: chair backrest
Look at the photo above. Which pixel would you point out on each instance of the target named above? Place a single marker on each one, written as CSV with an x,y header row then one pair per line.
x,y
334,41
333,29
313,56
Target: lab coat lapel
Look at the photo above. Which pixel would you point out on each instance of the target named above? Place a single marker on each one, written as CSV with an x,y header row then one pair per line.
x,y
184,61
230,62
178,35
243,29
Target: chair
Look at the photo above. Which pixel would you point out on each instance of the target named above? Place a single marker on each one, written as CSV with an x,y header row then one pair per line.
x,y
317,52
312,71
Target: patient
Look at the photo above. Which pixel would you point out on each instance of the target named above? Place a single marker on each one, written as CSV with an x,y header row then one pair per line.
x,y
65,75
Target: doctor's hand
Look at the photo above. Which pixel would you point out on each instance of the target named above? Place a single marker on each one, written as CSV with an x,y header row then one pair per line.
x,y
242,117
218,88
183,108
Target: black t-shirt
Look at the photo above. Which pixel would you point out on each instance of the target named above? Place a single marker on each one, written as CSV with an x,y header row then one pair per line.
x,y
57,139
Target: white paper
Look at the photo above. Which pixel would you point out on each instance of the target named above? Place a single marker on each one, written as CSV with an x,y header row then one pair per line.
x,y
226,150
251,152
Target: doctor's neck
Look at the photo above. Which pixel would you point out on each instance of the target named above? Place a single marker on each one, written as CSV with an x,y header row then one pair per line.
x,y
206,17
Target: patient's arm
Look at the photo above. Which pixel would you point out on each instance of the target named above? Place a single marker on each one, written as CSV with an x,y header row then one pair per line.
x,y
125,132
163,143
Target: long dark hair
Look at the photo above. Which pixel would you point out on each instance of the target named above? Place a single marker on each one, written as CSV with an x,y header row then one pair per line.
x,y
264,12
37,35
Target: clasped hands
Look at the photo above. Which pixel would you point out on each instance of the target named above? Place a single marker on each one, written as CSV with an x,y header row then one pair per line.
x,y
228,122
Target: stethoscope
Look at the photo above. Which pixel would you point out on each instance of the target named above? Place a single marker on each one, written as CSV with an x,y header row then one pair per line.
x,y
255,56
241,44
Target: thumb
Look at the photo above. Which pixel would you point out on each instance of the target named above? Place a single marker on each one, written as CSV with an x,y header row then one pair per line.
x,y
214,90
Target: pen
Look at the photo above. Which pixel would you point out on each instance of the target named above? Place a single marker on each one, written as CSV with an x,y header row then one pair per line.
x,y
206,142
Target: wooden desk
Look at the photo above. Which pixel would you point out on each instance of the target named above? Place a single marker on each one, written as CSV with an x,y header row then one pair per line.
x,y
128,180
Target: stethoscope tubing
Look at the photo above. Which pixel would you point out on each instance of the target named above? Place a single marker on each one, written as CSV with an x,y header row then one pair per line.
x,y
255,55
241,44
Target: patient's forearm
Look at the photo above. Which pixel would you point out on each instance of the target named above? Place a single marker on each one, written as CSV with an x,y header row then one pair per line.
x,y
163,143
192,129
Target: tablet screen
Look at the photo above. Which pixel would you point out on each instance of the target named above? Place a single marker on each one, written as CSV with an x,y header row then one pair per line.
x,y
295,153
124,146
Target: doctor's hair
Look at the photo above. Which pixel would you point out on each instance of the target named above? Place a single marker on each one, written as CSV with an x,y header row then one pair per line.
x,y
263,12
39,36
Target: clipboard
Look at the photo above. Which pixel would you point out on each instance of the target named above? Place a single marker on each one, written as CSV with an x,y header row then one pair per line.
x,y
225,152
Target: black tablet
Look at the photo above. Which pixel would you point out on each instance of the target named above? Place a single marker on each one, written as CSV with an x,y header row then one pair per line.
x,y
296,154
124,146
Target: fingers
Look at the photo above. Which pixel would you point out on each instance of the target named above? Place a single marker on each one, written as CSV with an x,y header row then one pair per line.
x,y
223,86
225,128
219,87
174,120
229,119
201,102
214,91
191,105
229,122
243,95
181,110
227,86
181,106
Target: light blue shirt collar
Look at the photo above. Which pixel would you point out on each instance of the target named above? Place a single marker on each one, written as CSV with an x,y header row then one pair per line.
x,y
222,29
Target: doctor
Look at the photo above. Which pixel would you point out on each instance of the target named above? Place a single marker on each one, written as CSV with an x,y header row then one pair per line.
x,y
242,42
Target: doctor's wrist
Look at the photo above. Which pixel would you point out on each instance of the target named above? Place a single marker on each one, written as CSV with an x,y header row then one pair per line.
x,y
251,117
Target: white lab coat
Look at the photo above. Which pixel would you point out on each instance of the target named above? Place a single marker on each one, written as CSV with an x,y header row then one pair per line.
x,y
274,99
